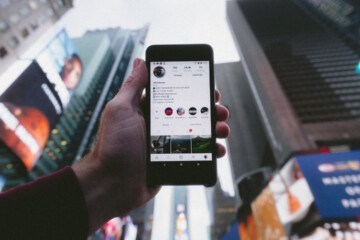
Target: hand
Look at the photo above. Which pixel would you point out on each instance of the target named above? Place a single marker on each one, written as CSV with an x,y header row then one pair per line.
x,y
113,174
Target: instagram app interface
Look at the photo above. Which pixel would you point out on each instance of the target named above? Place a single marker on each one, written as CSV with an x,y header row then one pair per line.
x,y
180,125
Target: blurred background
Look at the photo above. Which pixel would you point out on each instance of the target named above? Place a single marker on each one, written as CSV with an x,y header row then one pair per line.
x,y
288,71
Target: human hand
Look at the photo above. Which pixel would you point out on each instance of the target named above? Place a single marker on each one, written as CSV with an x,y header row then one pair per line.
x,y
113,174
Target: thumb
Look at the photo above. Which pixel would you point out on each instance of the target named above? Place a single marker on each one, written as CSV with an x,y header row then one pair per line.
x,y
134,85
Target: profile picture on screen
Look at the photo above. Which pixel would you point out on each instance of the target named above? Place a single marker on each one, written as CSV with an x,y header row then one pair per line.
x,y
180,111
204,111
159,72
169,111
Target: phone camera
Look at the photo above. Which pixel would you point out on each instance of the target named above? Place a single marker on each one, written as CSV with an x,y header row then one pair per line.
x,y
159,72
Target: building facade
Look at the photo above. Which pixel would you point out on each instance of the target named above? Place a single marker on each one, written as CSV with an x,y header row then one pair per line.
x,y
105,68
300,59
23,22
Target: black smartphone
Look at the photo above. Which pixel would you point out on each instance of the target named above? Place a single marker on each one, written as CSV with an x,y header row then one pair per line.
x,y
181,141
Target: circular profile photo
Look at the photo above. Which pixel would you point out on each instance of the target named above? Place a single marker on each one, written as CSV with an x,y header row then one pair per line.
x,y
204,111
192,111
159,72
180,111
168,111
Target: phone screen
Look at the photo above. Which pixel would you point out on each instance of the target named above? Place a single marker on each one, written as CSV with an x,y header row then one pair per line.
x,y
180,103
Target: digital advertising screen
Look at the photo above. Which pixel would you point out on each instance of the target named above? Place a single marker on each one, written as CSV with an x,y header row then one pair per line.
x,y
32,104
334,180
314,197
62,65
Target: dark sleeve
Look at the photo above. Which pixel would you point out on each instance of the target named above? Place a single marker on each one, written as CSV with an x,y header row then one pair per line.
x,y
51,207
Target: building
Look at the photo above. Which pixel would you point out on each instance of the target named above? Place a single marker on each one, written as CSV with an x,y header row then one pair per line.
x,y
23,22
222,210
248,144
106,67
299,60
296,88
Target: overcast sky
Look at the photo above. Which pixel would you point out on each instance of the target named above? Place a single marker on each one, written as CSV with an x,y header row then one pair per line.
x,y
171,21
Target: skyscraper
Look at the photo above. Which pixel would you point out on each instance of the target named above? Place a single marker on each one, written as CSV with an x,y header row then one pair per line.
x,y
105,68
300,60
23,22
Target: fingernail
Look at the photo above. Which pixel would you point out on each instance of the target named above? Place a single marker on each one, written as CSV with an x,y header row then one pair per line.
x,y
136,62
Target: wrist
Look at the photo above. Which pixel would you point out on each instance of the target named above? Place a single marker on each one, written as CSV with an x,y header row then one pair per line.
x,y
97,188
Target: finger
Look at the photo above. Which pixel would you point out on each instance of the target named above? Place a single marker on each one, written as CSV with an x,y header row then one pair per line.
x,y
135,83
222,130
221,150
222,113
153,191
217,95
142,103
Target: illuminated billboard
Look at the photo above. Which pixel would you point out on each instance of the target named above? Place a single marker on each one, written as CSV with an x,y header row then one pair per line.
x,y
62,65
312,197
31,105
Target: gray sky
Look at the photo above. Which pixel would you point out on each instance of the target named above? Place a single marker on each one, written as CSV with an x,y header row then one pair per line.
x,y
172,21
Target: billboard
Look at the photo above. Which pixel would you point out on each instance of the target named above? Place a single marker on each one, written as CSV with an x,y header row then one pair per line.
x,y
312,197
32,104
62,65
334,180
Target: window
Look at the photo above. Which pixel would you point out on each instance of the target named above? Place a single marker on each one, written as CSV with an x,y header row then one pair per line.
x,y
33,24
14,18
3,52
60,3
25,11
3,26
24,33
50,12
56,7
13,42
43,1
42,18
5,3
33,4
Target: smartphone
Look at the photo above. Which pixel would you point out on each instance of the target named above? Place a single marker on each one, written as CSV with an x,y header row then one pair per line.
x,y
181,141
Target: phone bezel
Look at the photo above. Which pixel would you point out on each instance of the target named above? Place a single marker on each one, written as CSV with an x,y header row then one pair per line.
x,y
181,172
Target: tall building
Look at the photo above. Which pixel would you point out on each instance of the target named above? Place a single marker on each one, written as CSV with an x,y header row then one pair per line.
x,y
23,22
300,61
105,68
248,144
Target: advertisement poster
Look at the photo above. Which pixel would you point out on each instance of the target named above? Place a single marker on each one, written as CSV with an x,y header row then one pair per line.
x,y
291,193
317,196
30,107
266,217
247,228
62,65
334,180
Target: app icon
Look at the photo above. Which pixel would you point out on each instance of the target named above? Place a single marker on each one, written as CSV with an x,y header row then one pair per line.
x,y
180,111
168,111
192,111
204,111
